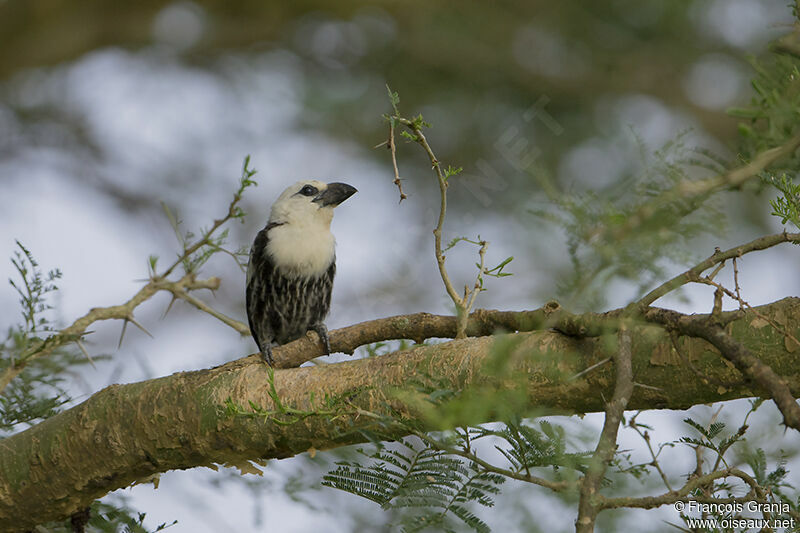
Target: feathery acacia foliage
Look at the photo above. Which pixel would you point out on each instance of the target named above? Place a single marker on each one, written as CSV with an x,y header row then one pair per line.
x,y
435,484
37,393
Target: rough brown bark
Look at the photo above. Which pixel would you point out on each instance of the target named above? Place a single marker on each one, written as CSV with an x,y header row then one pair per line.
x,y
127,432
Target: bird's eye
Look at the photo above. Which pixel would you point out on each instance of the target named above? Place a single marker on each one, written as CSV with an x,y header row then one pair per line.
x,y
308,190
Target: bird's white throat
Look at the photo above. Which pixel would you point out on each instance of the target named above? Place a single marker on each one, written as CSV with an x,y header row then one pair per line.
x,y
302,247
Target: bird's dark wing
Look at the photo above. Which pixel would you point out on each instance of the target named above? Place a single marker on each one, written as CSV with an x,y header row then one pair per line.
x,y
323,288
259,271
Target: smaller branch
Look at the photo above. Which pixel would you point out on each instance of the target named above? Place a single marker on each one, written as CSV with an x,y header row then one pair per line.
x,y
668,498
76,331
463,304
124,311
654,456
589,504
736,177
693,274
718,268
437,232
693,191
736,285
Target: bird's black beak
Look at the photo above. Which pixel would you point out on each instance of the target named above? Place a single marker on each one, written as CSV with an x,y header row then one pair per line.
x,y
335,194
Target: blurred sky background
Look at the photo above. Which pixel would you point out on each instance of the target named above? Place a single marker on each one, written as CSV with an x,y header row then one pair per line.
x,y
108,109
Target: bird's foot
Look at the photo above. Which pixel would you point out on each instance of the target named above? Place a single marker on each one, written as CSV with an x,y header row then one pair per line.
x,y
266,355
322,331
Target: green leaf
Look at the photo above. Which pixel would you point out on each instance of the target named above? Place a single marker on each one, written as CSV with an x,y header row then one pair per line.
x,y
452,171
394,99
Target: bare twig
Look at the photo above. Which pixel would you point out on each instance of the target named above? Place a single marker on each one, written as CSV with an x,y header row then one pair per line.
x,y
645,435
463,303
736,284
719,266
182,293
393,149
437,232
650,502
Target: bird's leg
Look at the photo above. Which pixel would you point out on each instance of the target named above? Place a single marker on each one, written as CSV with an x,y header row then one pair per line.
x,y
266,355
322,331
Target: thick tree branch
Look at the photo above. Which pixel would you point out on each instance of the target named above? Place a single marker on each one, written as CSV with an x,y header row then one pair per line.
x,y
179,421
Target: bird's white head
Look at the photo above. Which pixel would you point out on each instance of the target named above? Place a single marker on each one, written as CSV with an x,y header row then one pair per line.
x,y
309,203
301,242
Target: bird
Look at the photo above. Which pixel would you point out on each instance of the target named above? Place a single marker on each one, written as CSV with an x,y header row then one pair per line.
x,y
292,265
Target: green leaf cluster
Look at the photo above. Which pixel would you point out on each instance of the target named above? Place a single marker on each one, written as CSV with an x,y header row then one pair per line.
x,y
37,392
787,206
771,119
436,487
